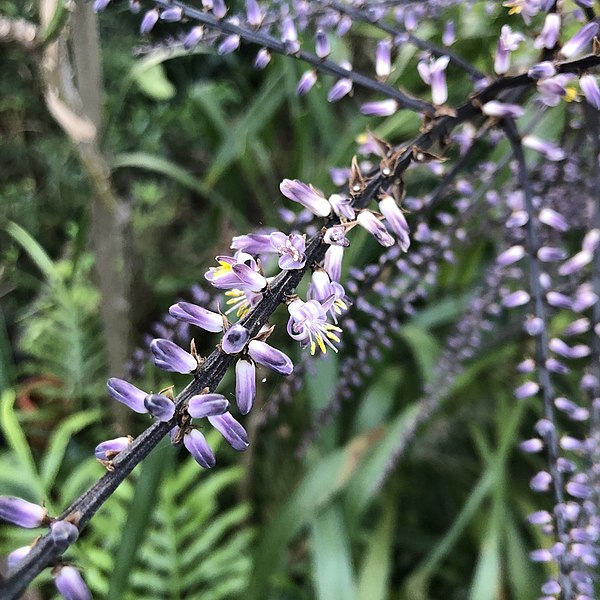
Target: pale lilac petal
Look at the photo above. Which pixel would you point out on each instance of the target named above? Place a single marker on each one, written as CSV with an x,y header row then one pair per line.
x,y
16,556
231,430
170,357
382,108
340,89
306,82
322,47
110,448
245,385
198,447
383,63
22,513
528,389
149,21
207,405
589,87
553,219
253,243
128,394
498,109
160,407
198,316
70,584
580,40
263,58
375,227
306,195
235,339
63,534
270,357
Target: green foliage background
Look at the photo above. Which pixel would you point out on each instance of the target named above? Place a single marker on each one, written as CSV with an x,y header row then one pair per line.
x,y
198,145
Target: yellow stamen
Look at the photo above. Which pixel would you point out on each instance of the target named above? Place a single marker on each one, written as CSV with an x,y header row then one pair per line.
x,y
313,348
321,344
570,94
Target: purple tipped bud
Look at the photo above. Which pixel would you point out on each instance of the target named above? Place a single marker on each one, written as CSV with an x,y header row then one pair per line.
x,y
542,70
578,490
22,513
63,534
149,21
198,447
306,195
340,89
336,236
231,430
497,109
577,327
198,316
553,219
518,298
541,517
541,481
342,206
559,300
549,254
135,6
230,44
270,357
375,227
383,108
253,243
170,357
550,32
332,262
548,149
219,9
128,394
568,442
528,389
541,555
551,587
207,405
580,40
576,263
16,556
70,584
194,37
172,15
245,385
448,35
253,13
306,83
532,446
160,407
263,58
322,48
110,448
383,62
510,256
589,87
534,326
235,338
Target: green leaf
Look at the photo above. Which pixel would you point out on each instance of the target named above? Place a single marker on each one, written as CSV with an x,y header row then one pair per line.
x,y
486,581
59,441
424,346
332,566
152,81
37,254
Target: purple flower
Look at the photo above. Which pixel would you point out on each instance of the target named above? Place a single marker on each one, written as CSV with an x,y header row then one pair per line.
x,y
550,32
375,227
553,219
170,357
494,108
253,243
448,35
160,407
289,35
395,219
510,256
198,447
341,206
528,389
263,58
245,385
329,293
126,393
434,74
198,316
550,254
230,44
383,62
322,48
291,250
336,236
576,263
22,513
518,298
100,5
559,300
589,87
541,481
580,40
107,450
149,21
508,42
554,89
332,263
236,272
306,195
308,325
542,70
548,149
306,82
231,430
63,534
207,405
268,356
70,584
340,88
382,108
218,8
532,446
235,339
